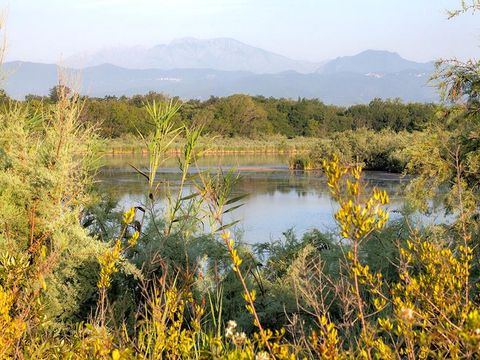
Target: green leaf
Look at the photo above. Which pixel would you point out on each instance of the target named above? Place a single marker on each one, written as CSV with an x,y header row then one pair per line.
x,y
235,199
228,225
191,196
232,208
184,217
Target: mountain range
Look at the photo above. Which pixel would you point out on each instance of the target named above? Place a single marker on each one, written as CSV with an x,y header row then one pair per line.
x,y
192,68
190,53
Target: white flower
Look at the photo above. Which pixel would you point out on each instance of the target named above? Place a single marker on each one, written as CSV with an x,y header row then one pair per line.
x,y
232,324
406,314
230,329
262,355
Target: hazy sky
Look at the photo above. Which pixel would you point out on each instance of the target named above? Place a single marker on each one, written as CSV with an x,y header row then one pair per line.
x,y
49,30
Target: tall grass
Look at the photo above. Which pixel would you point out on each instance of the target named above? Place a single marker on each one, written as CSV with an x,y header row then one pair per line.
x,y
218,145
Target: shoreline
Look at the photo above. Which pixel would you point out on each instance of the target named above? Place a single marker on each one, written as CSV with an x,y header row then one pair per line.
x,y
220,146
114,152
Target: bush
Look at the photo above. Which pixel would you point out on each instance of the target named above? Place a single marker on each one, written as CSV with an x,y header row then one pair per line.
x,y
384,150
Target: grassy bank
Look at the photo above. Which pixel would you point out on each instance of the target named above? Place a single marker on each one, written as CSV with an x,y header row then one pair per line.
x,y
220,145
384,151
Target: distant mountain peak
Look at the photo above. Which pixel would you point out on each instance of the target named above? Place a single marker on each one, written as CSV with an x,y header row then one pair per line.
x,y
194,40
217,53
373,61
378,52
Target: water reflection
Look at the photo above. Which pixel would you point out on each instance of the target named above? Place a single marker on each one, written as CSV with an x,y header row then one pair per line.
x,y
278,198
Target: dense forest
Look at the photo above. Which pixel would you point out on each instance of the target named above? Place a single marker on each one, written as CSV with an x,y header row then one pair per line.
x,y
251,117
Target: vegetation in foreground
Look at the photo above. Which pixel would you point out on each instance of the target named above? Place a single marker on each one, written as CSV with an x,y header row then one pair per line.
x,y
79,281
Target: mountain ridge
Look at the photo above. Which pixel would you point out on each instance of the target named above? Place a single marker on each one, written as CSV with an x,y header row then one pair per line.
x,y
218,53
342,88
229,54
343,81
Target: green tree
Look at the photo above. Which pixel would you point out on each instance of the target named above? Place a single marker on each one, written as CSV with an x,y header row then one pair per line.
x,y
59,91
238,115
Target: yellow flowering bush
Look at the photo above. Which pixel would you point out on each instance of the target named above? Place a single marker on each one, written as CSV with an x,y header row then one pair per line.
x,y
12,329
428,313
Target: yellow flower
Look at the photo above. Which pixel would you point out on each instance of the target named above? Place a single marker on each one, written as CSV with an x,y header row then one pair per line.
x,y
129,216
115,355
226,235
133,240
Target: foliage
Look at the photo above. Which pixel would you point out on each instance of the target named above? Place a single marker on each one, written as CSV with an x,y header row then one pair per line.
x,y
471,5
46,161
253,117
384,150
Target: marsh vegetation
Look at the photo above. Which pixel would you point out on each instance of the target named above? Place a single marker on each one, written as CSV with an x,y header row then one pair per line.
x,y
82,277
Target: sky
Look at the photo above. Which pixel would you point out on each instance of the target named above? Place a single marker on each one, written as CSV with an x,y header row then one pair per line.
x,y
314,30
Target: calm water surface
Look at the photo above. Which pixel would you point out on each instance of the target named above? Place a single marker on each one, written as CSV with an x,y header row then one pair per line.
x,y
278,199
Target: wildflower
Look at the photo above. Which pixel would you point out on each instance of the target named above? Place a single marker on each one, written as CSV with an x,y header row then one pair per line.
x,y
237,261
385,324
406,314
226,235
239,338
230,329
115,354
232,324
41,279
129,216
133,240
108,264
262,355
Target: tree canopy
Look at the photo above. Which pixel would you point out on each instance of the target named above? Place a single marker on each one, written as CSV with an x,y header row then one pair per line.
x,y
253,116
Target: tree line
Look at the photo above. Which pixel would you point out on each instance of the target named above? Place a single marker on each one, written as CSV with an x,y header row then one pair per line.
x,y
251,116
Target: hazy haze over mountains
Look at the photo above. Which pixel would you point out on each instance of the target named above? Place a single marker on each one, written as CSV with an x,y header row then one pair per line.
x,y
192,68
190,53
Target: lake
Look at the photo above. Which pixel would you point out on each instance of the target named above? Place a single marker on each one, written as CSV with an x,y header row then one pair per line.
x,y
278,198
